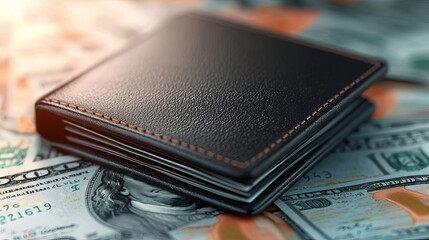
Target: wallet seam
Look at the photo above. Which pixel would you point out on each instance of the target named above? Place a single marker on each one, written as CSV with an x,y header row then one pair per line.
x,y
200,150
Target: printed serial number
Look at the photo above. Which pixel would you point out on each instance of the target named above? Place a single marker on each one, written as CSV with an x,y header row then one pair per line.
x,y
11,217
6,207
317,175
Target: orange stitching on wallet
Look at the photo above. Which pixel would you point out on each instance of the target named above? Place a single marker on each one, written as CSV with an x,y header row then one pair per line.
x,y
210,154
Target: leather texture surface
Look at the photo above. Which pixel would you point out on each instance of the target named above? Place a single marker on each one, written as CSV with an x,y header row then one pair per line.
x,y
220,90
212,95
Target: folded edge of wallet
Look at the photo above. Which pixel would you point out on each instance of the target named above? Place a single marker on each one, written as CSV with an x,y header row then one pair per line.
x,y
281,181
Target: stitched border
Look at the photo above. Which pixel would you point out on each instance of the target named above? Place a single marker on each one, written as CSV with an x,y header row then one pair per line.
x,y
211,154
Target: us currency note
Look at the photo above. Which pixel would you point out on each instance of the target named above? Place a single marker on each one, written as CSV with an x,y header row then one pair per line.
x,y
14,153
393,98
370,153
268,225
78,200
379,208
398,99
392,22
411,100
375,186
68,198
394,137
390,123
17,150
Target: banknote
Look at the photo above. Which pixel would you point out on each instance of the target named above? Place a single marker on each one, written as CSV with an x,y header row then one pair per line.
x,y
68,198
393,23
17,149
374,152
77,200
299,232
35,165
397,98
375,185
379,208
14,153
395,122
227,226
394,137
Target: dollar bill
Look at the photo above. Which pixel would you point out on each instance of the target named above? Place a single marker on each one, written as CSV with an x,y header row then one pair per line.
x,y
13,153
78,200
68,198
374,186
381,148
390,123
398,28
389,138
16,150
393,23
227,226
34,166
300,233
379,208
397,98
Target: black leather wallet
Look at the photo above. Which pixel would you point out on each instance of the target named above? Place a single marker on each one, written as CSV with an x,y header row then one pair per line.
x,y
225,113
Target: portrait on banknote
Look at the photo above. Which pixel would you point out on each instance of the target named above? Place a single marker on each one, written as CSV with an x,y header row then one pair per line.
x,y
135,207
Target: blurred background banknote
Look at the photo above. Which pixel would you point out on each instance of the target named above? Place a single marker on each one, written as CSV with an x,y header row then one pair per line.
x,y
395,30
374,185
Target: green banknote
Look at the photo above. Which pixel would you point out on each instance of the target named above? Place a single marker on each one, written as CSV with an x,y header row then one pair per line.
x,y
395,30
268,225
68,199
65,198
412,100
17,150
379,208
373,153
391,123
402,136
375,185
13,153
